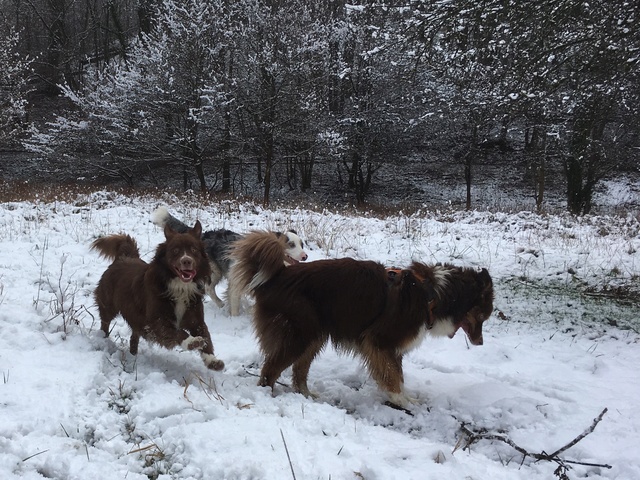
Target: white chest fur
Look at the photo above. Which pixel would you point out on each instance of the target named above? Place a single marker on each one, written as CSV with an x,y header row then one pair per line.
x,y
181,293
442,328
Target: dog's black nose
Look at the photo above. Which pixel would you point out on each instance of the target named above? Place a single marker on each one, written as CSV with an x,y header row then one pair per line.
x,y
186,263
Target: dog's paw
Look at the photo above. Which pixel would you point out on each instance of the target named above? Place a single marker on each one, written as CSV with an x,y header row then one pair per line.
x,y
304,390
194,343
212,362
405,403
402,400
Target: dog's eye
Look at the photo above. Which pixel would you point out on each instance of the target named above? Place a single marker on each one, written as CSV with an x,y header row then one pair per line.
x,y
176,250
291,245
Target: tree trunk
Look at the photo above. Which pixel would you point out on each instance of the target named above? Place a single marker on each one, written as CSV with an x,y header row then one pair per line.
x,y
57,48
352,171
200,173
185,177
574,174
268,164
227,59
224,152
467,180
145,17
226,175
468,162
305,165
540,177
581,166
359,185
536,145
290,166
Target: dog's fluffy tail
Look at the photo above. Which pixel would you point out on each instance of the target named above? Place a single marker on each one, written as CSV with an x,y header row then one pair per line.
x,y
256,257
161,217
116,246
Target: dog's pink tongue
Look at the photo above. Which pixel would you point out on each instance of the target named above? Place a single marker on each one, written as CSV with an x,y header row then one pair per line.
x,y
187,275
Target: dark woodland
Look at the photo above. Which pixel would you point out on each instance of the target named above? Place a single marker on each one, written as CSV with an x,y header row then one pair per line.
x,y
325,101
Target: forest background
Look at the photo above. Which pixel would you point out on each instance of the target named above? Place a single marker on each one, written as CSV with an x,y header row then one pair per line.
x,y
328,100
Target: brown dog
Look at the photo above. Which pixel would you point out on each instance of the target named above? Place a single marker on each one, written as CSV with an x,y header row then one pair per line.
x,y
162,300
464,299
359,305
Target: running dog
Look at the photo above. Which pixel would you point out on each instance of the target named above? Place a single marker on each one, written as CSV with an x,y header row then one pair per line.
x,y
218,244
161,300
360,306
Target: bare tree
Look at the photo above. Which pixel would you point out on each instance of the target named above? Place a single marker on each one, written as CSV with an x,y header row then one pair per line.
x,y
280,49
13,89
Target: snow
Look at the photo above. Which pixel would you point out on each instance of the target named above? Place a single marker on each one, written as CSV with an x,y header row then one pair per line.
x,y
74,405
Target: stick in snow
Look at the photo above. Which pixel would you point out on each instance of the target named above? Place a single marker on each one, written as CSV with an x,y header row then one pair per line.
x,y
473,436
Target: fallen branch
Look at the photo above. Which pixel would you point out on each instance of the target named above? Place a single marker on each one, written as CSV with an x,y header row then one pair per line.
x,y
581,436
471,436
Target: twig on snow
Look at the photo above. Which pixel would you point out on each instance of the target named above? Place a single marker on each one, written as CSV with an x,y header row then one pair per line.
x,y
581,436
293,474
473,436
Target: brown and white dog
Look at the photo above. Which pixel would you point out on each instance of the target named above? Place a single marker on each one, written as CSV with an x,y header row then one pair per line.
x,y
161,300
360,306
464,299
218,244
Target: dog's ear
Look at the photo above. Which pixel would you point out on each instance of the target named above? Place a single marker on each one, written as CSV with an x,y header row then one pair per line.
x,y
424,276
429,290
196,231
486,289
168,232
484,279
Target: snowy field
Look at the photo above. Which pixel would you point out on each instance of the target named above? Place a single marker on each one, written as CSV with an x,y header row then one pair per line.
x,y
74,405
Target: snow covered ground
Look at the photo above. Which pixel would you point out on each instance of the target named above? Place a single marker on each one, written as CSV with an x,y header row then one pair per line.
x,y
74,405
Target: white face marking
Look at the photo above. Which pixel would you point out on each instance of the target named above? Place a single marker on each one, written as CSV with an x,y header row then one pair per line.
x,y
185,257
294,247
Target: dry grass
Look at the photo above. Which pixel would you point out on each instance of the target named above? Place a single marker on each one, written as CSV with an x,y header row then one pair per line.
x,y
25,191
343,231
